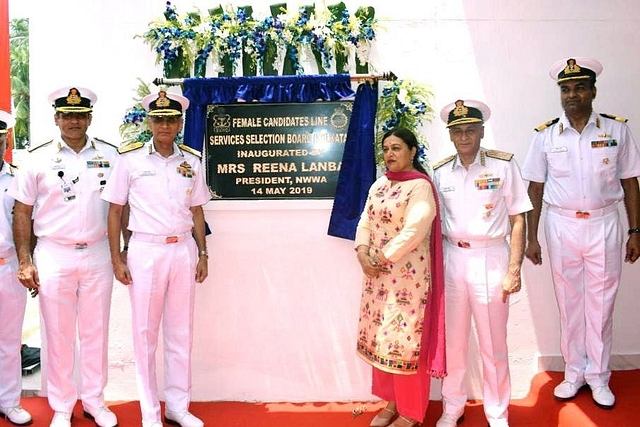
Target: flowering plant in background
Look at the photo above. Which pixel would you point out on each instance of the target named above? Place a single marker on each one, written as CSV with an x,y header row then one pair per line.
x,y
172,38
135,123
322,38
229,28
408,104
267,44
200,47
135,127
285,38
345,29
366,34
297,33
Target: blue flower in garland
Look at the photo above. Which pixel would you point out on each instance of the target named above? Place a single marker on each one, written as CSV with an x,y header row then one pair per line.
x,y
172,38
321,45
135,125
241,15
390,124
422,153
263,40
170,12
297,32
204,53
258,39
228,29
331,33
135,115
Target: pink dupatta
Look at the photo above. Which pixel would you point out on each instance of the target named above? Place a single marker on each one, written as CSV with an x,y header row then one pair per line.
x,y
433,336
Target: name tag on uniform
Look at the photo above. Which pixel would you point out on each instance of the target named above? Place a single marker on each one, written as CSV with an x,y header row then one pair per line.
x,y
559,149
447,189
602,143
487,183
67,192
57,166
98,164
146,173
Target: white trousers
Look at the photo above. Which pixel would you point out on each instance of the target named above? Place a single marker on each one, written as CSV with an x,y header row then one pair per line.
x,y
586,263
13,301
163,290
473,288
75,298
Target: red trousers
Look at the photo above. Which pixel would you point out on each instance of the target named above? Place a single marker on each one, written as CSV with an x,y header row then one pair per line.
x,y
410,392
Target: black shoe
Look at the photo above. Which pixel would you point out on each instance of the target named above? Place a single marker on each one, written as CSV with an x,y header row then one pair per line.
x,y
30,359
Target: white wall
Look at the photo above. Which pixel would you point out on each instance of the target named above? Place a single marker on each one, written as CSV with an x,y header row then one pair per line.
x,y
276,319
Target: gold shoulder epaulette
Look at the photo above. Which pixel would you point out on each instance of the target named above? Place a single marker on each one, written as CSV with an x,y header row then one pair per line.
x,y
130,147
188,149
547,124
38,146
105,142
501,155
616,118
444,161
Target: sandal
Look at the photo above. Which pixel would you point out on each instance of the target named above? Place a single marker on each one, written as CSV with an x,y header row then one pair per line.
x,y
404,422
384,418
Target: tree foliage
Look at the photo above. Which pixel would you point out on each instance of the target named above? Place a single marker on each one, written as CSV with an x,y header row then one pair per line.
x,y
19,48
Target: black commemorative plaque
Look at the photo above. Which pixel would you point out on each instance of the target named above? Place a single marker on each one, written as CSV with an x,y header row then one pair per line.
x,y
276,151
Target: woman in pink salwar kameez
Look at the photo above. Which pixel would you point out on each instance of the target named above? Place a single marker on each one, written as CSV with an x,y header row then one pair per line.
x,y
399,246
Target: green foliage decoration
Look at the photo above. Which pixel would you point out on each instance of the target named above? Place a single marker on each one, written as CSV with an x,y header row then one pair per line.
x,y
408,104
19,71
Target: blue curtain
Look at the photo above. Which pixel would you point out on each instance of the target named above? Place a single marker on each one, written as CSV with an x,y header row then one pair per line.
x,y
358,170
358,165
229,90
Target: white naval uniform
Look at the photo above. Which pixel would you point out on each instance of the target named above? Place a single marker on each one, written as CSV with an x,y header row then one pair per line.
x,y
162,259
581,175
13,300
476,204
72,258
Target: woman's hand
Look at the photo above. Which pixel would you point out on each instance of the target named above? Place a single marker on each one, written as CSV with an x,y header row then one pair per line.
x,y
369,265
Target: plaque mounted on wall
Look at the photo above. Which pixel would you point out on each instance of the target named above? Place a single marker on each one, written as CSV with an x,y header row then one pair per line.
x,y
276,151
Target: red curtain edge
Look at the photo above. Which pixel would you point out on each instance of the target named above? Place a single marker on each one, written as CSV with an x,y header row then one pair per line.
x,y
5,70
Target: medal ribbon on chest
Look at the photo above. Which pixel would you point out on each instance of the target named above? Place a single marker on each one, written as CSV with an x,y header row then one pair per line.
x,y
487,183
602,143
185,170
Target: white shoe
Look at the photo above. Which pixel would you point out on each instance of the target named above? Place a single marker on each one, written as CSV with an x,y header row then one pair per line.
x,y
16,415
448,420
567,390
103,417
61,419
182,419
603,397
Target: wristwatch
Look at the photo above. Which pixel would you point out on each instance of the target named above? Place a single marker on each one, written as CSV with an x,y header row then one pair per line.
x,y
203,253
634,231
